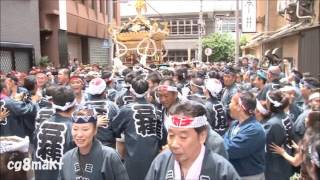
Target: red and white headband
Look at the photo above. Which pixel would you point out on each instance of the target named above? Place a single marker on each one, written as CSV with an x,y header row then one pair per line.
x,y
177,121
76,78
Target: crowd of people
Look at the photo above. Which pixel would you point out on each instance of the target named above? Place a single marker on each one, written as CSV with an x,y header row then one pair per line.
x,y
219,121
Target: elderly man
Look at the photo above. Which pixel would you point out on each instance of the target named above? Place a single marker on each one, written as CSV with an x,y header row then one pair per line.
x,y
299,127
63,76
187,157
273,79
245,140
42,81
168,97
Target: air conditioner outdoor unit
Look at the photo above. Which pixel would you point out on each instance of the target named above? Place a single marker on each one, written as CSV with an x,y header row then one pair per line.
x,y
282,5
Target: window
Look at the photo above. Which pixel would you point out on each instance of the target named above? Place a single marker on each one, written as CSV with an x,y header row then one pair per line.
x,y
188,27
177,55
195,26
225,25
173,27
183,27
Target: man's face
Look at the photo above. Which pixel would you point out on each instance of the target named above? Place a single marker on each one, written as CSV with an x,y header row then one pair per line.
x,y
194,89
151,84
244,62
5,89
305,92
175,78
185,143
42,79
229,79
167,98
9,85
291,77
258,82
315,103
20,79
269,76
234,106
290,95
254,64
62,77
76,86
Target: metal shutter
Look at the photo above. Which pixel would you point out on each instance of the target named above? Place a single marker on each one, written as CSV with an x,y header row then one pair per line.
x,y
97,54
22,61
5,61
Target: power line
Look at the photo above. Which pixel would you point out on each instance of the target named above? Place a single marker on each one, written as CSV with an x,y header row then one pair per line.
x,y
161,16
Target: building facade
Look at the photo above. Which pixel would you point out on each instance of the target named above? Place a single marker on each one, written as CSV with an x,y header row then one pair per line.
x,y
77,29
19,35
290,27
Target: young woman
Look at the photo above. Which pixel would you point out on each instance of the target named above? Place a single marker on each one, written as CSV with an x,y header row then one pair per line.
x,y
90,159
307,148
278,131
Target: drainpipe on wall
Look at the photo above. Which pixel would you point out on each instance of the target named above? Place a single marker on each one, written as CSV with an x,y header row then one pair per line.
x,y
236,56
266,26
110,42
266,22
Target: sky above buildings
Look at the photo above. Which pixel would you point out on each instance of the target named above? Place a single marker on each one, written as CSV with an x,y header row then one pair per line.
x,y
127,7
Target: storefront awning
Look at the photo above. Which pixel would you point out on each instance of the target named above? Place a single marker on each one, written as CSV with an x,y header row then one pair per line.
x,y
281,33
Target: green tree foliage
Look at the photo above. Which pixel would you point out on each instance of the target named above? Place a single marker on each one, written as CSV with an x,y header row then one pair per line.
x,y
222,45
244,39
44,61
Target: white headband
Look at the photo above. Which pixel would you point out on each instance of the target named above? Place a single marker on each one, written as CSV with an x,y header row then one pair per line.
x,y
14,143
287,88
261,109
136,94
193,84
314,95
65,107
275,103
177,121
167,88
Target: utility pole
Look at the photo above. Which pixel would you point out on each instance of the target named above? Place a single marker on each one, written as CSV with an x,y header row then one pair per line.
x,y
236,56
110,42
200,24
